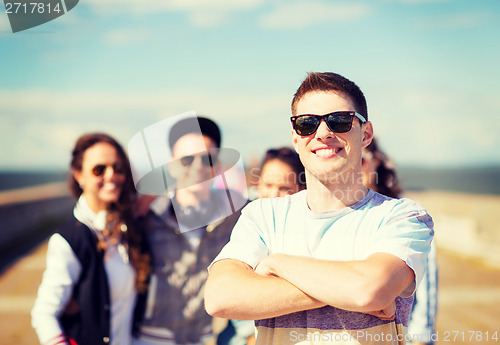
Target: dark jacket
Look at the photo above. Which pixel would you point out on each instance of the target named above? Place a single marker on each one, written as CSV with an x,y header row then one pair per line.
x,y
86,320
180,273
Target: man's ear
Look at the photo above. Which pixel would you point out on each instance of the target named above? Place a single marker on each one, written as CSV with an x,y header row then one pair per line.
x,y
367,131
173,168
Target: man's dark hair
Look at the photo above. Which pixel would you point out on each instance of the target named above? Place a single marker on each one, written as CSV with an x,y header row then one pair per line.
x,y
200,125
328,81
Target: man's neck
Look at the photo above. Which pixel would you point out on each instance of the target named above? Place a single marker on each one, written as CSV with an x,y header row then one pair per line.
x,y
334,194
186,197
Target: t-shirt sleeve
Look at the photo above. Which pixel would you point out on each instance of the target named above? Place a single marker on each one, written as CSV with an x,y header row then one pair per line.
x,y
407,233
248,242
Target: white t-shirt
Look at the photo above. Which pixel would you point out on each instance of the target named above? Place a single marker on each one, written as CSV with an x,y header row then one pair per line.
x,y
375,224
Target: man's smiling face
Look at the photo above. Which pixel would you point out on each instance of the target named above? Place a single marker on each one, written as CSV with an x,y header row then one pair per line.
x,y
326,154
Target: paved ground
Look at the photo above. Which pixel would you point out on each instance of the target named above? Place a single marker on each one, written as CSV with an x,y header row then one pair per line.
x,y
18,287
469,300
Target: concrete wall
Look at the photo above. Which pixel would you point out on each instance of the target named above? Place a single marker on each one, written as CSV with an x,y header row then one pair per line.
x,y
29,214
467,224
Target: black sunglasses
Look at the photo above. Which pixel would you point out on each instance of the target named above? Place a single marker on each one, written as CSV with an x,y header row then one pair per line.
x,y
206,159
100,169
338,122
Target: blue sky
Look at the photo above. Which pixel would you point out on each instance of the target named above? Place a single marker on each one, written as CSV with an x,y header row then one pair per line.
x,y
429,69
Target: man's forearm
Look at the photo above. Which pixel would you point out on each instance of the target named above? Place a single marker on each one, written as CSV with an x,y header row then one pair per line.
x,y
362,286
233,290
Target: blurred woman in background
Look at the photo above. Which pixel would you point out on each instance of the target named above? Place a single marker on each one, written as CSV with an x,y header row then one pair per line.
x,y
281,173
379,172
380,175
97,263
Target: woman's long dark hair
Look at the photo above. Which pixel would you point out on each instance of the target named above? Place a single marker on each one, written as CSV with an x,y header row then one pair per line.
x,y
386,181
121,225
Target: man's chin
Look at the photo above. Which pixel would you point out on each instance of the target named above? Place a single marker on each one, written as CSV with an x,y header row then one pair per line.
x,y
334,175
198,187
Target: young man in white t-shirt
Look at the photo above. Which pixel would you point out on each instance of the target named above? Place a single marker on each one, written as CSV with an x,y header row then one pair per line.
x,y
337,262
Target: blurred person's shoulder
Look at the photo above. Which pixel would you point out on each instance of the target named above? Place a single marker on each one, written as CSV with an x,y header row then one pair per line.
x,y
238,200
160,205
273,204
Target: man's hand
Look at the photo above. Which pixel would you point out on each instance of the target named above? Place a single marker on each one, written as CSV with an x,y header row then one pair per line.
x,y
388,313
364,285
266,268
234,291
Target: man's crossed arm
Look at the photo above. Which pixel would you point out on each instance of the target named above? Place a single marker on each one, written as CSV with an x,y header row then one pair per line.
x,y
283,284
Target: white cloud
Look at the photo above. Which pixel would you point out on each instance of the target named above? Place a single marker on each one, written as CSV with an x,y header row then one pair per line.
x,y
207,18
455,20
223,5
137,7
436,127
4,22
417,2
125,37
117,7
303,14
39,127
415,124
199,12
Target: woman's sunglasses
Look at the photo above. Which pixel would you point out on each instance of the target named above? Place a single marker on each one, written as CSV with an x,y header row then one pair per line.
x,y
100,169
338,122
206,160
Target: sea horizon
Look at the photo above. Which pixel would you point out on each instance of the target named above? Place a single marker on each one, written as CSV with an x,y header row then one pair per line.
x,y
474,180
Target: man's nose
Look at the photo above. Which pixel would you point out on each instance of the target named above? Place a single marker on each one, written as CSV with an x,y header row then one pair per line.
x,y
323,131
197,163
